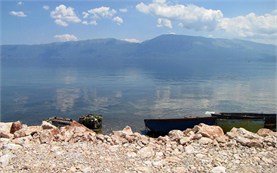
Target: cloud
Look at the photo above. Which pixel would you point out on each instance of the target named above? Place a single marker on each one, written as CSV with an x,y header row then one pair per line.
x,y
64,15
20,3
164,23
66,37
132,40
118,20
45,7
102,12
190,16
93,22
253,27
250,25
261,28
95,14
18,13
123,10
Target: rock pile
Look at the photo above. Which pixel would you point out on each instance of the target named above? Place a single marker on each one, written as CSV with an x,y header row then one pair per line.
x,y
75,148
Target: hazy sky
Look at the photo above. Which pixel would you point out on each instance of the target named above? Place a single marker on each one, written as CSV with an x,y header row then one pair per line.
x,y
35,22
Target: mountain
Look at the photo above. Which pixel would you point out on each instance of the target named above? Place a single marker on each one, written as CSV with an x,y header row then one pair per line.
x,y
165,51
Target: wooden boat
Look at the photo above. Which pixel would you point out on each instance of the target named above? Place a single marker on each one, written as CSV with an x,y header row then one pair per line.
x,y
59,121
163,126
250,121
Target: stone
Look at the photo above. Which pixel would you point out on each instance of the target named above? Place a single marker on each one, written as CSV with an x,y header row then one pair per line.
x,y
11,146
197,136
222,139
5,159
118,139
31,130
266,132
242,132
15,127
7,135
175,135
23,140
45,136
172,159
47,125
185,140
127,130
146,152
218,169
208,131
245,138
189,149
75,132
5,129
248,142
205,140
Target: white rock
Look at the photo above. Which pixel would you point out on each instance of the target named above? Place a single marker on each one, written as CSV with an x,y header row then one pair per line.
x,y
5,159
46,125
218,169
175,135
189,149
205,140
11,146
146,152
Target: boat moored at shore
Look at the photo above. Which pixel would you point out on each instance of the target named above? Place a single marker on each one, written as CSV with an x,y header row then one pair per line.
x,y
250,121
163,126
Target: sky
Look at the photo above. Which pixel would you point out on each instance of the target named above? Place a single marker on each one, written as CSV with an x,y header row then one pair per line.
x,y
41,21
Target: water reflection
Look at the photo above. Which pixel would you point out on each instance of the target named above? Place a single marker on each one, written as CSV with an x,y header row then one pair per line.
x,y
99,102
128,97
20,102
66,98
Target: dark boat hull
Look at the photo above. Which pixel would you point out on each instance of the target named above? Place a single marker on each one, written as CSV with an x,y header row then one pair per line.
x,y
250,121
163,126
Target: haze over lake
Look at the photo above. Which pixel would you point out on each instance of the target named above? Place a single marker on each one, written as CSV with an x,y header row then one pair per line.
x,y
168,76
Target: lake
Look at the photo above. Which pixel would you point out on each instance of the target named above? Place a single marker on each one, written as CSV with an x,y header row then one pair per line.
x,y
126,96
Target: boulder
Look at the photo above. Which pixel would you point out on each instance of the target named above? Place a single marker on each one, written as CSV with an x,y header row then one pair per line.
x,y
189,149
127,131
7,135
205,140
31,130
146,152
188,132
208,131
245,138
5,129
47,125
185,140
15,127
175,135
243,133
46,136
75,132
266,132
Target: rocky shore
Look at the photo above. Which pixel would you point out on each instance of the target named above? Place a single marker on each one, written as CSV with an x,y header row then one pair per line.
x,y
75,148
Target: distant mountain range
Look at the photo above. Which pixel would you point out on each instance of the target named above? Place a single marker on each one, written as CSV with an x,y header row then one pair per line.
x,y
165,51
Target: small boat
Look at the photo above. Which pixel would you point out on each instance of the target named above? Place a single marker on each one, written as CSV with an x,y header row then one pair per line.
x,y
163,126
249,121
59,121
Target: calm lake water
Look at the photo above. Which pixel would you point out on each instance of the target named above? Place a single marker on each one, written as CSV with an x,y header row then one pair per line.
x,y
127,96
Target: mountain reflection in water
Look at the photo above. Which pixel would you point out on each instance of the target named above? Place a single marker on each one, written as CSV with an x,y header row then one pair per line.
x,y
127,96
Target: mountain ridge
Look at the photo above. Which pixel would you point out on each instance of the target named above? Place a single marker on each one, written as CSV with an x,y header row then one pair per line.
x,y
165,50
